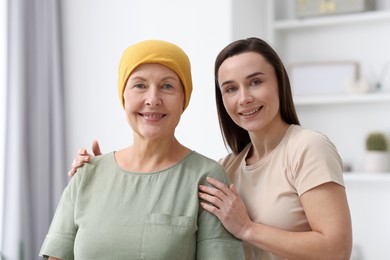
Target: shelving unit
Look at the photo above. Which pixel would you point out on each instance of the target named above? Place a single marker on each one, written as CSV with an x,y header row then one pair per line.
x,y
367,177
356,18
342,99
362,37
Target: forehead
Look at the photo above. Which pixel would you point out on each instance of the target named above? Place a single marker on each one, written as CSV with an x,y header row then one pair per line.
x,y
246,58
243,64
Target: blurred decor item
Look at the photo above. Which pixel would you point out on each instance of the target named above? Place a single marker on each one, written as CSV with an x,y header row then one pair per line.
x,y
377,156
322,78
379,78
310,8
359,86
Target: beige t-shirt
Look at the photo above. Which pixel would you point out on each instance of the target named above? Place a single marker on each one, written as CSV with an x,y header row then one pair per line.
x,y
271,188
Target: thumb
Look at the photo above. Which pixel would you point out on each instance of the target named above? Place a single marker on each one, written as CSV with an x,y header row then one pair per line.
x,y
96,148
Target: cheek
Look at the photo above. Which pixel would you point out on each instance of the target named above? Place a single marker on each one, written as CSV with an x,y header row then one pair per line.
x,y
130,98
229,105
273,103
274,96
125,95
225,102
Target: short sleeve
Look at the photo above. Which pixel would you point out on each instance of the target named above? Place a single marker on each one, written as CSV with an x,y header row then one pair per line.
x,y
315,162
59,241
214,241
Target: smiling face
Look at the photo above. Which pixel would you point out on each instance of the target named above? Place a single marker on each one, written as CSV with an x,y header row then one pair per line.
x,y
153,99
249,90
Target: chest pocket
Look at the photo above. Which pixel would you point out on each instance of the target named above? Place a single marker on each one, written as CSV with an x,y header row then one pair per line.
x,y
169,237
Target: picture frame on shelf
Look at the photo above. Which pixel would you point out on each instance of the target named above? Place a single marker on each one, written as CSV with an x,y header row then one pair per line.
x,y
314,8
322,78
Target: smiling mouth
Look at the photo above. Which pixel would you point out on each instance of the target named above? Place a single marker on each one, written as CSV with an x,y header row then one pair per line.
x,y
249,113
152,115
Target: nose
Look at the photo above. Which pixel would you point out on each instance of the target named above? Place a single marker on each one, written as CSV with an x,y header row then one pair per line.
x,y
153,97
245,96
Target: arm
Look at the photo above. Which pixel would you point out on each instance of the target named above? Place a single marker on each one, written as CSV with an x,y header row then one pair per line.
x,y
53,258
83,157
326,209
59,240
214,242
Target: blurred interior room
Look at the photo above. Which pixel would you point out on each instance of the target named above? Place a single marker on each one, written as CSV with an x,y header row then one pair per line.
x,y
58,74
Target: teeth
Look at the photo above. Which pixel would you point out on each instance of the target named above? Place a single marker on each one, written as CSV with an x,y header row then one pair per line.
x,y
153,115
251,112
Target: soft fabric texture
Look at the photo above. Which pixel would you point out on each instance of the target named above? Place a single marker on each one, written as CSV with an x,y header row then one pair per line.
x,y
271,187
156,51
108,213
35,130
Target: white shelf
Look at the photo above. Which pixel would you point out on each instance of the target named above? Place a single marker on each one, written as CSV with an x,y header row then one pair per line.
x,y
354,36
332,20
342,99
365,177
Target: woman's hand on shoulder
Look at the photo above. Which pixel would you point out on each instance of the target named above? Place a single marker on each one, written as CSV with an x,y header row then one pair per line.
x,y
83,157
226,204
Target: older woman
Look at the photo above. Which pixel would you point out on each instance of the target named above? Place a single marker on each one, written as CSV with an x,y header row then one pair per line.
x,y
142,202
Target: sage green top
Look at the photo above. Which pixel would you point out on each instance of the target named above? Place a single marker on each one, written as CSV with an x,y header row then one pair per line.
x,y
106,212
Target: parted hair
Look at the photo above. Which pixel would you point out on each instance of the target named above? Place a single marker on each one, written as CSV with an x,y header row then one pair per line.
x,y
235,137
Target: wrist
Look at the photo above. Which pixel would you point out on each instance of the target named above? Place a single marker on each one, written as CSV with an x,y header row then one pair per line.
x,y
247,230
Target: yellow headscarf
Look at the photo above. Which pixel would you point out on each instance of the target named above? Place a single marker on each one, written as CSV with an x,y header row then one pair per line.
x,y
155,51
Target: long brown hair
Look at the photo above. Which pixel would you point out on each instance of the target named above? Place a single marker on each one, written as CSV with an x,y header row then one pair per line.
x,y
235,137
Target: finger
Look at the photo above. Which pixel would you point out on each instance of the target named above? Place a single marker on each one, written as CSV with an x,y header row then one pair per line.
x,y
219,185
96,148
79,161
210,208
213,192
71,172
82,152
75,165
211,199
233,189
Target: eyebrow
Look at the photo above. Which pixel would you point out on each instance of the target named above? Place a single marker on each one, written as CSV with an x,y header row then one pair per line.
x,y
136,78
247,77
171,77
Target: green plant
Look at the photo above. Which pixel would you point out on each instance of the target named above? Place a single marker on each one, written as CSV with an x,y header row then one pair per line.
x,y
376,142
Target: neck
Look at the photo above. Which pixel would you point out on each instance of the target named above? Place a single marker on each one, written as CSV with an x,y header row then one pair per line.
x,y
151,155
264,142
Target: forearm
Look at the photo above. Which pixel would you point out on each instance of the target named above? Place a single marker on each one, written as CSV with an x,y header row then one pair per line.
x,y
326,210
297,245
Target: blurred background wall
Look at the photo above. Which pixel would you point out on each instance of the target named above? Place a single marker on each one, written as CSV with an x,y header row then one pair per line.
x,y
94,33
